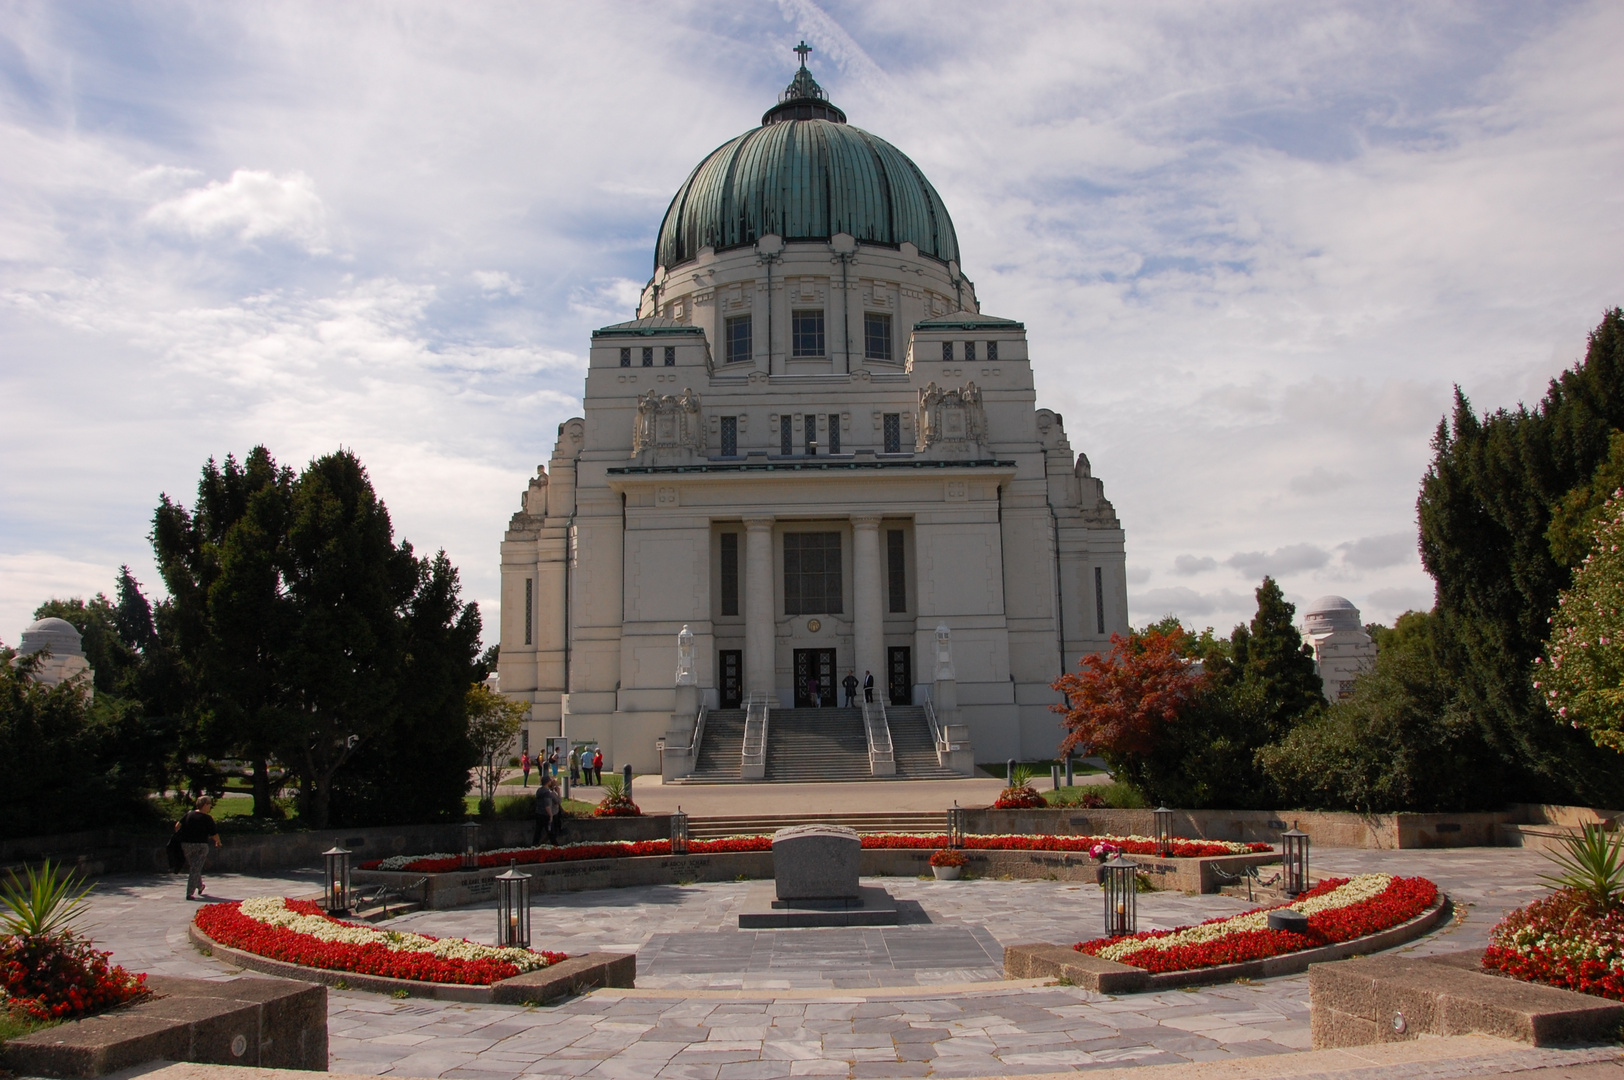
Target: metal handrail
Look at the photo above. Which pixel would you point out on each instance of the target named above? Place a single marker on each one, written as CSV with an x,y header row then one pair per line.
x,y
880,750
753,754
936,734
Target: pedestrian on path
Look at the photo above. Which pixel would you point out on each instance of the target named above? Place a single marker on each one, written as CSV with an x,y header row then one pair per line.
x,y
195,830
597,766
524,763
868,686
812,690
575,765
549,809
849,684
552,764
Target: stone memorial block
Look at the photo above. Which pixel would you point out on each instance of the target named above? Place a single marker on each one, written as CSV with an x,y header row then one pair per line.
x,y
816,862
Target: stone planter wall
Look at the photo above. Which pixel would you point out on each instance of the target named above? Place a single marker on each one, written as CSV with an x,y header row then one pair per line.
x,y
1325,828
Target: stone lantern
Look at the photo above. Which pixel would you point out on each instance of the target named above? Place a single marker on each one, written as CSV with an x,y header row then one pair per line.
x,y
470,845
1294,861
1120,877
336,887
513,908
1163,831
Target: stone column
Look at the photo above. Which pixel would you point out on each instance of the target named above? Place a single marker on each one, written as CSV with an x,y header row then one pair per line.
x,y
759,625
868,611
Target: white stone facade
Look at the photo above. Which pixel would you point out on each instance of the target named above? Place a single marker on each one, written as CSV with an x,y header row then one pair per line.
x,y
63,647
1343,649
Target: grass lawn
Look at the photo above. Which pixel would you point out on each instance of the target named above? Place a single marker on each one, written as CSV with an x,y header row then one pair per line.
x,y
1118,795
514,807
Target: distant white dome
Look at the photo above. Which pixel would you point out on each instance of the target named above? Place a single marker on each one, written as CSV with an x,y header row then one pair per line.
x,y
58,635
1331,613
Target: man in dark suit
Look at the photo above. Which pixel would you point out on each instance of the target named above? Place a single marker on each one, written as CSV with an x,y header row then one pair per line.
x,y
849,684
868,686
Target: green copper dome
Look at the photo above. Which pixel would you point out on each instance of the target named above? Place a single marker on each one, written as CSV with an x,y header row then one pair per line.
x,y
805,174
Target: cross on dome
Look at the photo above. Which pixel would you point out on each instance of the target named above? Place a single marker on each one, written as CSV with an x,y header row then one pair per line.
x,y
801,50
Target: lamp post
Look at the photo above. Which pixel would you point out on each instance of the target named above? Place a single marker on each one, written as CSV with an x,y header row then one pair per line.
x,y
955,825
513,908
1294,861
679,833
470,845
1163,831
1120,877
336,889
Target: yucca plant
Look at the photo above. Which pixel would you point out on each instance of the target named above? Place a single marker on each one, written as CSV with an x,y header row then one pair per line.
x,y
614,788
1591,865
41,903
1021,776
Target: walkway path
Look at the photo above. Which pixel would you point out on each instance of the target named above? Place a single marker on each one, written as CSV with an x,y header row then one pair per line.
x,y
923,999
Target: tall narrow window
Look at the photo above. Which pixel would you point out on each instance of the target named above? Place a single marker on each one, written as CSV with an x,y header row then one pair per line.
x,y
730,573
806,328
992,352
625,358
529,608
811,434
834,433
738,339
730,436
896,571
1099,599
812,573
670,356
877,336
893,433
969,352
947,352
648,356
786,436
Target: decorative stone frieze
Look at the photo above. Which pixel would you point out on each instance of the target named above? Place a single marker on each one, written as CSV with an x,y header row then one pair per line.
x,y
952,423
668,429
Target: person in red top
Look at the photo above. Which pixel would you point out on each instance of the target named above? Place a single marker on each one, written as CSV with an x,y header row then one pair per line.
x,y
597,766
524,763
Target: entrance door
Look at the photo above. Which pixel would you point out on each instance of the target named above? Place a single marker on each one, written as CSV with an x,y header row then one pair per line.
x,y
814,667
730,662
899,674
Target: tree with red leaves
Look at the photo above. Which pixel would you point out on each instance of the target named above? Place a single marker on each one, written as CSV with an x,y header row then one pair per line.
x,y
1120,702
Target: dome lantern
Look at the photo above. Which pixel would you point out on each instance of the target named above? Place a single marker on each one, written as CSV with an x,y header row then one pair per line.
x,y
803,98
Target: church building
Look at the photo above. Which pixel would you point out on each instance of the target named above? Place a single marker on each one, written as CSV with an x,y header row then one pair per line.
x,y
814,451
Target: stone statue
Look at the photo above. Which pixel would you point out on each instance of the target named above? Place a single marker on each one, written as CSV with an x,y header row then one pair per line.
x,y
944,653
952,423
685,658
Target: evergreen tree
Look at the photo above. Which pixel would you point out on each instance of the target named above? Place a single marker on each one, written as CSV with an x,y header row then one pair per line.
x,y
1486,509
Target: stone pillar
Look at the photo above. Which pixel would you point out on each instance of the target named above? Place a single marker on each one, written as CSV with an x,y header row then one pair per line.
x,y
759,625
868,611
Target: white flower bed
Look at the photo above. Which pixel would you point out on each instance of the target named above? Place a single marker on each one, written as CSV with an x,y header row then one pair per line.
x,y
1356,891
271,911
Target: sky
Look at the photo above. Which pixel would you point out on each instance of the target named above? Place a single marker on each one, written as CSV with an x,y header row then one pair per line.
x,y
1255,245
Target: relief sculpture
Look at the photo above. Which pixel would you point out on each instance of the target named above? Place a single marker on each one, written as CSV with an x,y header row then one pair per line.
x,y
952,423
667,430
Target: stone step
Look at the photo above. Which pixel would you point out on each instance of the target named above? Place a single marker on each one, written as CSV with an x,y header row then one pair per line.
x,y
934,821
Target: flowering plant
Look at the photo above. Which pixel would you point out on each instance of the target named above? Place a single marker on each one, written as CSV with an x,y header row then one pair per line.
x,y
1582,675
1559,940
617,801
948,857
60,976
1338,909
298,932
1103,851
441,862
1025,797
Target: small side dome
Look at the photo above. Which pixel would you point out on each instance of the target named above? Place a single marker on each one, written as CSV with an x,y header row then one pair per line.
x,y
58,635
1331,613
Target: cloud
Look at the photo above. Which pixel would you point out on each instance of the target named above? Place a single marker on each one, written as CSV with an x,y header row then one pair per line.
x,y
252,205
498,281
1377,552
1285,560
1138,575
1188,565
1319,481
1385,605
1181,601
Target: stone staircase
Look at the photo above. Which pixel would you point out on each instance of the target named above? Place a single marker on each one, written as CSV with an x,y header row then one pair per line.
x,y
816,745
925,821
720,749
913,745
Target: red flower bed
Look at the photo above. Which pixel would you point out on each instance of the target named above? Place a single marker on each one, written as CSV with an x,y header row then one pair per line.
x,y
59,976
226,924
1019,798
1403,900
1182,849
1558,942
621,807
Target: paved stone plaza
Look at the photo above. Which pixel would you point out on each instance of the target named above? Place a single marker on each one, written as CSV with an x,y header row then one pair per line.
x,y
922,999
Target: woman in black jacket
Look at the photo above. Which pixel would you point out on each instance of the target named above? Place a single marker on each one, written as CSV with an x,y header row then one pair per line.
x,y
194,831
